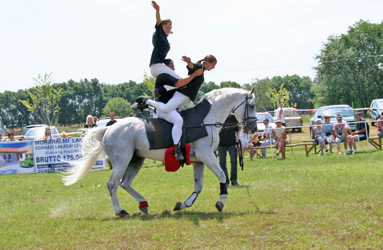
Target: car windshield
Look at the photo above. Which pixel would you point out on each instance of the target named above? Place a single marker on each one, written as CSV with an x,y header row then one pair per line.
x,y
102,123
40,132
380,104
334,112
263,116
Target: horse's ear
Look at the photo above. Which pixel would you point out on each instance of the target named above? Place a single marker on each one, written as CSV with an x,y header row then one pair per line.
x,y
252,90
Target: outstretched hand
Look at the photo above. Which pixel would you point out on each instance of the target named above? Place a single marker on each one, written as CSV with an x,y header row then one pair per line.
x,y
155,5
186,59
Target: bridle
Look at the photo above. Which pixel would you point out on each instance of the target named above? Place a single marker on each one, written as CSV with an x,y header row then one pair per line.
x,y
247,119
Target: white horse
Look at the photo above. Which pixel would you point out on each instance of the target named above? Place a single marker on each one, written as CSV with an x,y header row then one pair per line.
x,y
126,144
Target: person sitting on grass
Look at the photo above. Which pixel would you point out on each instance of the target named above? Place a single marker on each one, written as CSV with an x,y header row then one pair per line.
x,y
320,135
280,136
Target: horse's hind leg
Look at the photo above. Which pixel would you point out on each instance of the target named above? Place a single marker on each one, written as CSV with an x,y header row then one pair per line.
x,y
120,162
126,182
199,169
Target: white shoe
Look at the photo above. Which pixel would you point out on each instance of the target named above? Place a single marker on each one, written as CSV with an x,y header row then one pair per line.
x,y
320,155
354,152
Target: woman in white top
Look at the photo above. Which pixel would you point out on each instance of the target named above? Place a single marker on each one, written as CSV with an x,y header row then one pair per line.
x,y
280,136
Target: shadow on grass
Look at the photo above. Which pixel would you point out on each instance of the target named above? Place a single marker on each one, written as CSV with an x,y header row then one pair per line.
x,y
194,217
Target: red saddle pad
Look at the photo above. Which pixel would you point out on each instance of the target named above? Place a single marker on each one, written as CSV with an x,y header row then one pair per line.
x,y
171,164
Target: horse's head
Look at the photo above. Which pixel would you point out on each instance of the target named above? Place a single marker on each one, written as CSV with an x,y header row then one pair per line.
x,y
246,110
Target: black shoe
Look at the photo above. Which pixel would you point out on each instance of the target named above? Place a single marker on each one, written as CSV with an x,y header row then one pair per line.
x,y
178,153
234,183
156,94
142,99
140,106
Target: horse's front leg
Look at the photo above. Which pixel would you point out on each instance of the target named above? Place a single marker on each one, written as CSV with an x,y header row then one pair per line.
x,y
208,157
199,169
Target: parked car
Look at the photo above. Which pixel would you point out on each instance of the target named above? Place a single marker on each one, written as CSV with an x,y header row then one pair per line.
x,y
292,119
261,127
39,132
345,110
375,111
28,127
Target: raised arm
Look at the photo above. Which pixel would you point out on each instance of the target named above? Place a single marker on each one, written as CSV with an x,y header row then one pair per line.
x,y
188,61
157,8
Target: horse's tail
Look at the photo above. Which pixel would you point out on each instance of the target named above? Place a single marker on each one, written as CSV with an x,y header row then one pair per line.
x,y
92,150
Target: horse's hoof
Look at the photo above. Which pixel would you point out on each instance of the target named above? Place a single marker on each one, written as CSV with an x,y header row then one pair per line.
x,y
123,213
219,205
177,207
144,210
143,206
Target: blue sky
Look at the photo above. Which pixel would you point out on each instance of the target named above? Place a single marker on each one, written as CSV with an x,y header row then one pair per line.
x,y
111,39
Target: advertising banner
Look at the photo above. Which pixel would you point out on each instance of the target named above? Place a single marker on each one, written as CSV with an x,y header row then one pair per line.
x,y
55,155
16,157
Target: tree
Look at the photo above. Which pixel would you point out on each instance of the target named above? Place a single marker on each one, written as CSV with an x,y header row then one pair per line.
x,y
280,96
299,89
119,106
350,66
229,84
44,104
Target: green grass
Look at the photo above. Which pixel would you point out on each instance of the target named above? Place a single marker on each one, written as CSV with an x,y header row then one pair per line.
x,y
332,202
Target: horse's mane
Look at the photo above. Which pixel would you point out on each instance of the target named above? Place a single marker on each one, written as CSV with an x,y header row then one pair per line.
x,y
216,94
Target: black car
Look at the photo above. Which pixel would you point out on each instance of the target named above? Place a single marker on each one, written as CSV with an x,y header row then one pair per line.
x,y
375,111
345,110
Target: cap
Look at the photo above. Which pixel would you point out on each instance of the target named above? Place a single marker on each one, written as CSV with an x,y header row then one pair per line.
x,y
277,120
358,113
319,120
339,116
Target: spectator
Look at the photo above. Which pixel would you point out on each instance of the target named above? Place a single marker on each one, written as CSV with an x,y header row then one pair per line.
x,y
255,141
63,135
95,119
132,115
280,136
227,143
329,132
1,137
47,135
320,135
246,143
340,133
267,136
379,125
11,137
279,114
90,122
360,133
112,120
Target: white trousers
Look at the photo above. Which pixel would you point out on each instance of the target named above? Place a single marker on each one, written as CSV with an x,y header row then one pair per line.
x,y
168,112
160,68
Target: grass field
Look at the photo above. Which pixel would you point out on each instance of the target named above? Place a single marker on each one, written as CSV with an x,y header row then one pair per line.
x,y
329,202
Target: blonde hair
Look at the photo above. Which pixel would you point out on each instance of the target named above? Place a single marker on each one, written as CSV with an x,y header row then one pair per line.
x,y
87,119
208,58
164,21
